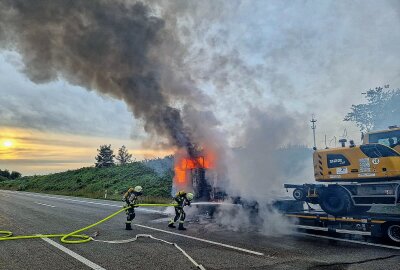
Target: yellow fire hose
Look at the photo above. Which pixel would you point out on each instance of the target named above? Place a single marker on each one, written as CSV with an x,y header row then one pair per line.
x,y
7,235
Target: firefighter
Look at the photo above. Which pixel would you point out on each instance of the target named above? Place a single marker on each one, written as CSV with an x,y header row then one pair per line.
x,y
130,198
182,198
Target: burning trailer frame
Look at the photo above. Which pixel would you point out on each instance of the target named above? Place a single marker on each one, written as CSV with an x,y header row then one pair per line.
x,y
195,170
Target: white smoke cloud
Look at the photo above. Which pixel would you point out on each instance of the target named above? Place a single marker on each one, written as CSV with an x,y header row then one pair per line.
x,y
260,167
244,74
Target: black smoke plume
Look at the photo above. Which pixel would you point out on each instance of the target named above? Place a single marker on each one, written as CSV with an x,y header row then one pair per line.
x,y
113,47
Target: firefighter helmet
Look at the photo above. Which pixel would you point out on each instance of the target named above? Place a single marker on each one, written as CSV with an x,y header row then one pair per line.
x,y
138,189
189,196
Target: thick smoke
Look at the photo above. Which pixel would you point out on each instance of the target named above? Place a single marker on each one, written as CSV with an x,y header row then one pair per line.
x,y
312,57
119,49
322,55
271,154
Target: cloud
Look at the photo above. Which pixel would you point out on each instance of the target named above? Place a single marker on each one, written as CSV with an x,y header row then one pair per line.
x,y
114,47
39,152
312,57
222,58
59,107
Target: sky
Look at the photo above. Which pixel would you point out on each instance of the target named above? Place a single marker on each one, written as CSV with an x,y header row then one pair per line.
x,y
236,62
56,126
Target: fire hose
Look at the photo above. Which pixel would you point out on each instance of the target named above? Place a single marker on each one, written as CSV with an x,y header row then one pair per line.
x,y
157,239
7,235
82,238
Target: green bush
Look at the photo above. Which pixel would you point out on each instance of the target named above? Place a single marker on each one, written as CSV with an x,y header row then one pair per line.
x,y
92,182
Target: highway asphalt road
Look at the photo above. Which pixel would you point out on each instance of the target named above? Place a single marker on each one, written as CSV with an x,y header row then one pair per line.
x,y
30,213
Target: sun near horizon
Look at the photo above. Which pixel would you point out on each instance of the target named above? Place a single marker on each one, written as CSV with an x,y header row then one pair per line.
x,y
8,143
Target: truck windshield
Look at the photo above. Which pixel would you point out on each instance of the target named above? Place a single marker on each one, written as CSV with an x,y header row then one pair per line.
x,y
377,151
390,138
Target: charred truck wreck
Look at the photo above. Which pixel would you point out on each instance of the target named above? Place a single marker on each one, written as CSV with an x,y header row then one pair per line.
x,y
195,169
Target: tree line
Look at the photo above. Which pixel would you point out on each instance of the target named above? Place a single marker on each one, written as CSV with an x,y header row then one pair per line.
x,y
105,156
380,110
9,175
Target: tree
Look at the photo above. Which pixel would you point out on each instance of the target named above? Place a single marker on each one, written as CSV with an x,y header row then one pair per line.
x,y
5,174
381,110
15,175
105,157
123,156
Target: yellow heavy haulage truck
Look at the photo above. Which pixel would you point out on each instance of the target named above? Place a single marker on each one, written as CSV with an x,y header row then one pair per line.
x,y
352,178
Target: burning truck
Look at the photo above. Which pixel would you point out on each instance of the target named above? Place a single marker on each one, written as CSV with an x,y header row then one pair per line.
x,y
196,170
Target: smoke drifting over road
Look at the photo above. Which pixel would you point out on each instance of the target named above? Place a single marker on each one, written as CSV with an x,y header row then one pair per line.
x,y
119,49
270,155
226,74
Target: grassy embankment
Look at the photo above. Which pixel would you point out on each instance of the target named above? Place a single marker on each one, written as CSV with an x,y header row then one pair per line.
x,y
92,182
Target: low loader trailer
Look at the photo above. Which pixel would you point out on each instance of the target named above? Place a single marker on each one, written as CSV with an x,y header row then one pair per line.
x,y
350,180
353,178
369,224
383,226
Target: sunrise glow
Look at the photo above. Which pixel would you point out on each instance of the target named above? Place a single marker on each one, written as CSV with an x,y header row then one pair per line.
x,y
8,143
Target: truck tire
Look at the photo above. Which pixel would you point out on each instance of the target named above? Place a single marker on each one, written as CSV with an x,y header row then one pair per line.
x,y
392,232
336,201
299,194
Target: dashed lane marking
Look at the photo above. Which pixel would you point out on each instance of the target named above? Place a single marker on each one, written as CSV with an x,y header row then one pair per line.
x,y
76,256
81,201
203,240
44,204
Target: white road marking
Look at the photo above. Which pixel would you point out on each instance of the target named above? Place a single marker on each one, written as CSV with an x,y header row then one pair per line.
x,y
311,228
66,199
325,229
158,239
353,232
349,241
215,203
44,204
73,200
74,255
83,201
203,240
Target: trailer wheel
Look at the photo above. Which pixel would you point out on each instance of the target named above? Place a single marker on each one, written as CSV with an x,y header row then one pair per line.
x,y
299,194
336,201
393,232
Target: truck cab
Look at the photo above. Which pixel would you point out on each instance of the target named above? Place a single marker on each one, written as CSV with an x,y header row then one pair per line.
x,y
389,137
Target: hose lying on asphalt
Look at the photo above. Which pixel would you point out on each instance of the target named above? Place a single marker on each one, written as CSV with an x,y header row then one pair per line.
x,y
158,239
7,235
82,238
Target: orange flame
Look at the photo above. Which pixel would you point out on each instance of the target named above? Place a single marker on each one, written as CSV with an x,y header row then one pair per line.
x,y
183,165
